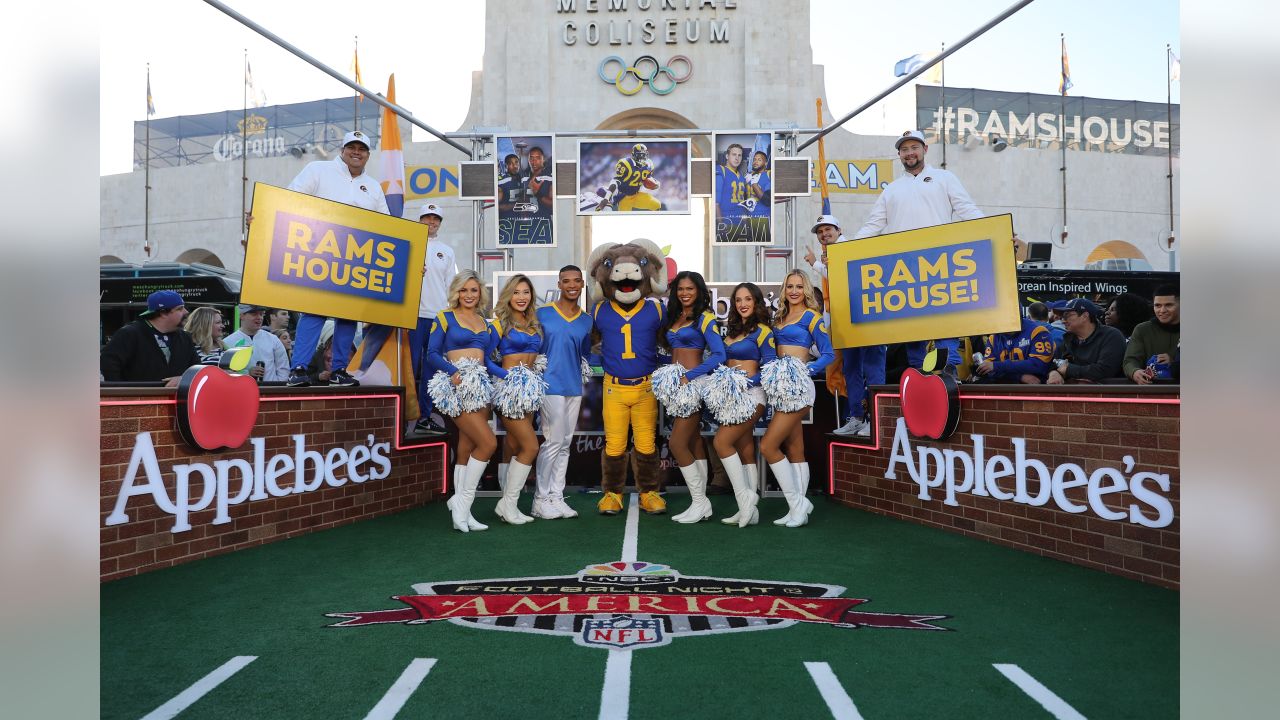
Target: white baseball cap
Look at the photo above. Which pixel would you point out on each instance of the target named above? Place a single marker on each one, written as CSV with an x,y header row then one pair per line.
x,y
831,220
910,135
431,209
356,136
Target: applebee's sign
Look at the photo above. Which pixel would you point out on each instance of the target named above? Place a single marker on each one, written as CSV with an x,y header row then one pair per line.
x,y
257,478
935,469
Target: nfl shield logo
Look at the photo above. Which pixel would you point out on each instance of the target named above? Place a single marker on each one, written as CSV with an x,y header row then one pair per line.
x,y
623,632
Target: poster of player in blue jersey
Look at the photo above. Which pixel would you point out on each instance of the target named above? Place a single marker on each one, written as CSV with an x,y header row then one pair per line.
x,y
526,196
743,188
633,176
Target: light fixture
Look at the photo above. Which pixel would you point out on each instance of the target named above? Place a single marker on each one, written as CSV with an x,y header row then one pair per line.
x,y
971,141
318,150
296,152
998,144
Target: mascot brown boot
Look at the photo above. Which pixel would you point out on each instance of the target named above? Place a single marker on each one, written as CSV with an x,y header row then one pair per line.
x,y
613,477
647,468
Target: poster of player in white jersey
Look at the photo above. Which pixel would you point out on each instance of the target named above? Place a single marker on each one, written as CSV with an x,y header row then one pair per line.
x,y
526,196
633,176
743,188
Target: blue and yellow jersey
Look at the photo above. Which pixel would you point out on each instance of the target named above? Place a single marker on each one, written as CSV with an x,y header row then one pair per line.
x,y
566,341
764,202
508,341
806,332
731,191
757,345
449,334
700,335
630,176
629,338
1027,352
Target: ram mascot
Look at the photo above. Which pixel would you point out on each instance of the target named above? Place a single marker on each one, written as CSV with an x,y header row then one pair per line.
x,y
626,282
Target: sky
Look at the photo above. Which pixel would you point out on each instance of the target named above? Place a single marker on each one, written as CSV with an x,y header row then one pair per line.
x,y
196,54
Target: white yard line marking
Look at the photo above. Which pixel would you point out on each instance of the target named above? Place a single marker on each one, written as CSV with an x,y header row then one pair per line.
x,y
1041,694
404,686
187,697
615,696
838,701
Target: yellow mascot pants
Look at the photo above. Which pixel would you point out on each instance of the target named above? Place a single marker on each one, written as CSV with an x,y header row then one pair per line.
x,y
629,407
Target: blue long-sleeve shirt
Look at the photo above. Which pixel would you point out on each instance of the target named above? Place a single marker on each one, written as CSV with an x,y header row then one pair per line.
x,y
806,332
1027,352
566,341
449,335
702,334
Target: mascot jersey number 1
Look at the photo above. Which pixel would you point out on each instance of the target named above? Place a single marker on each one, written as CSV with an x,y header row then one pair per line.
x,y
628,279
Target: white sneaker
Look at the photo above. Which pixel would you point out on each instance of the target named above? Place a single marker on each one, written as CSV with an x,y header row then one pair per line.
x,y
546,508
850,428
864,430
563,507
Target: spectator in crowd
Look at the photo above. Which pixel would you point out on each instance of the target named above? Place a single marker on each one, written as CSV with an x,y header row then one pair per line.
x,y
1023,356
1039,312
1091,351
278,320
285,339
153,347
1153,347
1127,311
438,270
318,370
205,326
267,348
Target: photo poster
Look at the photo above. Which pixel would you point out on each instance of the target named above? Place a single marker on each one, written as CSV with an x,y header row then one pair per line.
x,y
635,175
526,193
743,188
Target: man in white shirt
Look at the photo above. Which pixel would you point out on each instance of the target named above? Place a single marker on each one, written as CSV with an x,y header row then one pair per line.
x,y
923,197
438,271
343,180
267,348
861,366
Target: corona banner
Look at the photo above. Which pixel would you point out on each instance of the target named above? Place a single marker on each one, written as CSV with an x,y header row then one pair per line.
x,y
326,258
944,281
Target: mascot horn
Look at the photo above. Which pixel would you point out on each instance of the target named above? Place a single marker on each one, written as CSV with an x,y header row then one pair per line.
x,y
619,272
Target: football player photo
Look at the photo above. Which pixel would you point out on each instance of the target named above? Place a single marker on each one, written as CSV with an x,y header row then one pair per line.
x,y
743,188
617,176
526,196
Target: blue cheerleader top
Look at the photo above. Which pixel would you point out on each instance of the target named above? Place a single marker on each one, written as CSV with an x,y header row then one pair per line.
x,y
806,332
511,342
703,334
449,335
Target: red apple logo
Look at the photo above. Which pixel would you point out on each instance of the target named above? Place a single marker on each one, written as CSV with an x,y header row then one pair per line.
x,y
670,262
930,404
216,409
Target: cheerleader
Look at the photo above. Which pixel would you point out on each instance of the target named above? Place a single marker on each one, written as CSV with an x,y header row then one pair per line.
x,y
461,389
513,350
736,398
688,330
788,386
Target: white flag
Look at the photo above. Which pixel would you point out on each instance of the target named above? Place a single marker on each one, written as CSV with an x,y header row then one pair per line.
x,y
1175,67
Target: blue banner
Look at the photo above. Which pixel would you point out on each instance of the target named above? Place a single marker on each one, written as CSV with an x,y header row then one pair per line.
x,y
931,281
311,253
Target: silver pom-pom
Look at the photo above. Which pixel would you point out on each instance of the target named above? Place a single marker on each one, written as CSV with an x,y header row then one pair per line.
x,y
786,384
587,372
678,400
521,392
443,396
475,392
726,394
540,364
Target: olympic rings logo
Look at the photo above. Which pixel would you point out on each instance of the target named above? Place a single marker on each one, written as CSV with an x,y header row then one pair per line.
x,y
635,71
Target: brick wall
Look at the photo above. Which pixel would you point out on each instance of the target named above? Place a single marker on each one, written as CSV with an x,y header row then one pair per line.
x,y
1092,427
146,543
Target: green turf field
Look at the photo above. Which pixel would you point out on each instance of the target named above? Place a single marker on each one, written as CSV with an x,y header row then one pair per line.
x,y
1105,646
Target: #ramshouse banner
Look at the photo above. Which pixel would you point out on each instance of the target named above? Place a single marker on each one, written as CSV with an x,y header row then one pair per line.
x,y
944,281
326,258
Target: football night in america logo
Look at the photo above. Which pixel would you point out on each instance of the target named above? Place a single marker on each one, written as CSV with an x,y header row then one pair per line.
x,y
631,605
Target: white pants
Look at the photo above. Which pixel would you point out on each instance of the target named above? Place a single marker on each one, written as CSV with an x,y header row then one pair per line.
x,y
559,420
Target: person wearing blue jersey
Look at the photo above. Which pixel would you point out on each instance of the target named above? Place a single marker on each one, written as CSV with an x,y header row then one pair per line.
x,y
627,322
632,177
539,183
566,341
458,344
797,326
1024,356
749,346
731,194
759,186
514,344
689,331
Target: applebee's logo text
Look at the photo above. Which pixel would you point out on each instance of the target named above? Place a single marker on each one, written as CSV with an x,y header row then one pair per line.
x,y
980,473
258,479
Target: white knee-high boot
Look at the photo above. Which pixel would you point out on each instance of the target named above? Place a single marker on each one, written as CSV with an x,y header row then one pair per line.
x,y
802,487
753,477
785,473
507,509
747,513
700,508
464,494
